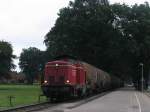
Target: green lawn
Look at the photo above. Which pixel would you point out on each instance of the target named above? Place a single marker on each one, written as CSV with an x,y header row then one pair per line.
x,y
23,95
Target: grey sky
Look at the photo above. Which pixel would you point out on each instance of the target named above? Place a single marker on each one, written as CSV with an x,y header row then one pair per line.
x,y
24,23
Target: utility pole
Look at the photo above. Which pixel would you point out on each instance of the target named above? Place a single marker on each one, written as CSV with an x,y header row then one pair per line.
x,y
142,78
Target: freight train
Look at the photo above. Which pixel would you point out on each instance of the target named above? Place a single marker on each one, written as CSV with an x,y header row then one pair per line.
x,y
66,77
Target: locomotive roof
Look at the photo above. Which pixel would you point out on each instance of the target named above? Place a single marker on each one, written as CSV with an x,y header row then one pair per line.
x,y
59,61
66,61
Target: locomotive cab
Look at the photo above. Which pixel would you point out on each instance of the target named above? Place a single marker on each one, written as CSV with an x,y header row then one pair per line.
x,y
62,77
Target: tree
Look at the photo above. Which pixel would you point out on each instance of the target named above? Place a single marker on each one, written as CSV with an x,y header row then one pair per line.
x,y
31,63
80,29
134,24
6,56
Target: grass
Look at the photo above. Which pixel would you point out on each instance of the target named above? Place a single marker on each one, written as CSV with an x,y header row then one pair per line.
x,y
23,95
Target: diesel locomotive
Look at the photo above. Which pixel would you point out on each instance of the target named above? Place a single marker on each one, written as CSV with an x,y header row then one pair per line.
x,y
66,77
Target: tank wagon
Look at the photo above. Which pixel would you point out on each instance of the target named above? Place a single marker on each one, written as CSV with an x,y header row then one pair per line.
x,y
67,77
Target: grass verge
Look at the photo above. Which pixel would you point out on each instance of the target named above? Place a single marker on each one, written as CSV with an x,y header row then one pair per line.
x,y
22,95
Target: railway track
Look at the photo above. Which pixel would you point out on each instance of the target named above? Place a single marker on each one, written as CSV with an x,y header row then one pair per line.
x,y
47,105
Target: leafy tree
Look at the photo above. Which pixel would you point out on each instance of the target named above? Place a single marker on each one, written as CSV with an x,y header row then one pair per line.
x,y
6,56
81,30
134,24
31,63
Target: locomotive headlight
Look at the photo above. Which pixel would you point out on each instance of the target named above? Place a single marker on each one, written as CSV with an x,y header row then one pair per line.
x,y
67,81
45,81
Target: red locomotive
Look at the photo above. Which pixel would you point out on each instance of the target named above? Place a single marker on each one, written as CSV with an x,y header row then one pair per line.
x,y
67,77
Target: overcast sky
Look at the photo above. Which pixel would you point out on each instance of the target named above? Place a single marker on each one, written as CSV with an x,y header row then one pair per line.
x,y
24,23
